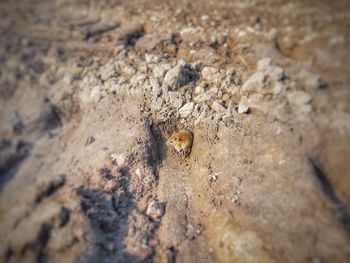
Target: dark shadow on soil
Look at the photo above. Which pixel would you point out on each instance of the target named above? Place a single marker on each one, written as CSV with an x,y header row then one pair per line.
x,y
129,39
340,211
10,159
108,217
50,116
157,148
111,213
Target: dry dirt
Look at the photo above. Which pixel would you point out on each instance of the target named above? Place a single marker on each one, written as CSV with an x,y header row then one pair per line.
x,y
91,90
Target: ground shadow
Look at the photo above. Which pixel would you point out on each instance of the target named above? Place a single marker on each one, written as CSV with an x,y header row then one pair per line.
x,y
109,212
108,217
11,158
339,208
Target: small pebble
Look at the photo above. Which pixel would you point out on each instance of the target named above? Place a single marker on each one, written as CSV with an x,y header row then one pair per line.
x,y
175,99
155,86
213,177
209,74
186,109
243,109
155,210
202,97
138,172
176,77
218,107
151,58
159,72
225,97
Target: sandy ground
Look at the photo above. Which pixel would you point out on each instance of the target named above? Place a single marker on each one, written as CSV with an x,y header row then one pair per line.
x,y
90,91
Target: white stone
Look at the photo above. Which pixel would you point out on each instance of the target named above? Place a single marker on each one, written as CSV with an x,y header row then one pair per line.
x,y
256,81
202,116
186,109
276,72
198,89
279,88
243,109
211,75
175,99
300,101
202,97
182,62
165,89
138,79
176,77
159,72
151,58
216,106
158,104
263,63
272,33
241,33
299,97
213,177
227,116
230,72
95,94
108,71
155,86
138,172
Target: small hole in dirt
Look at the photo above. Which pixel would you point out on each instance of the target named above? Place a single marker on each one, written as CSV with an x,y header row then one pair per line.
x,y
171,254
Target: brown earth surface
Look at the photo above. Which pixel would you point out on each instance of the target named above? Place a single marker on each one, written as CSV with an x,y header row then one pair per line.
x,y
91,90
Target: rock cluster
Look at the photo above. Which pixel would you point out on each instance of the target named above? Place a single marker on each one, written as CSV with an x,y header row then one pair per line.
x,y
195,93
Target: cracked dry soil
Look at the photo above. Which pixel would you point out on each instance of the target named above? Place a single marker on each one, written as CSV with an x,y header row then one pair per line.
x,y
91,90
